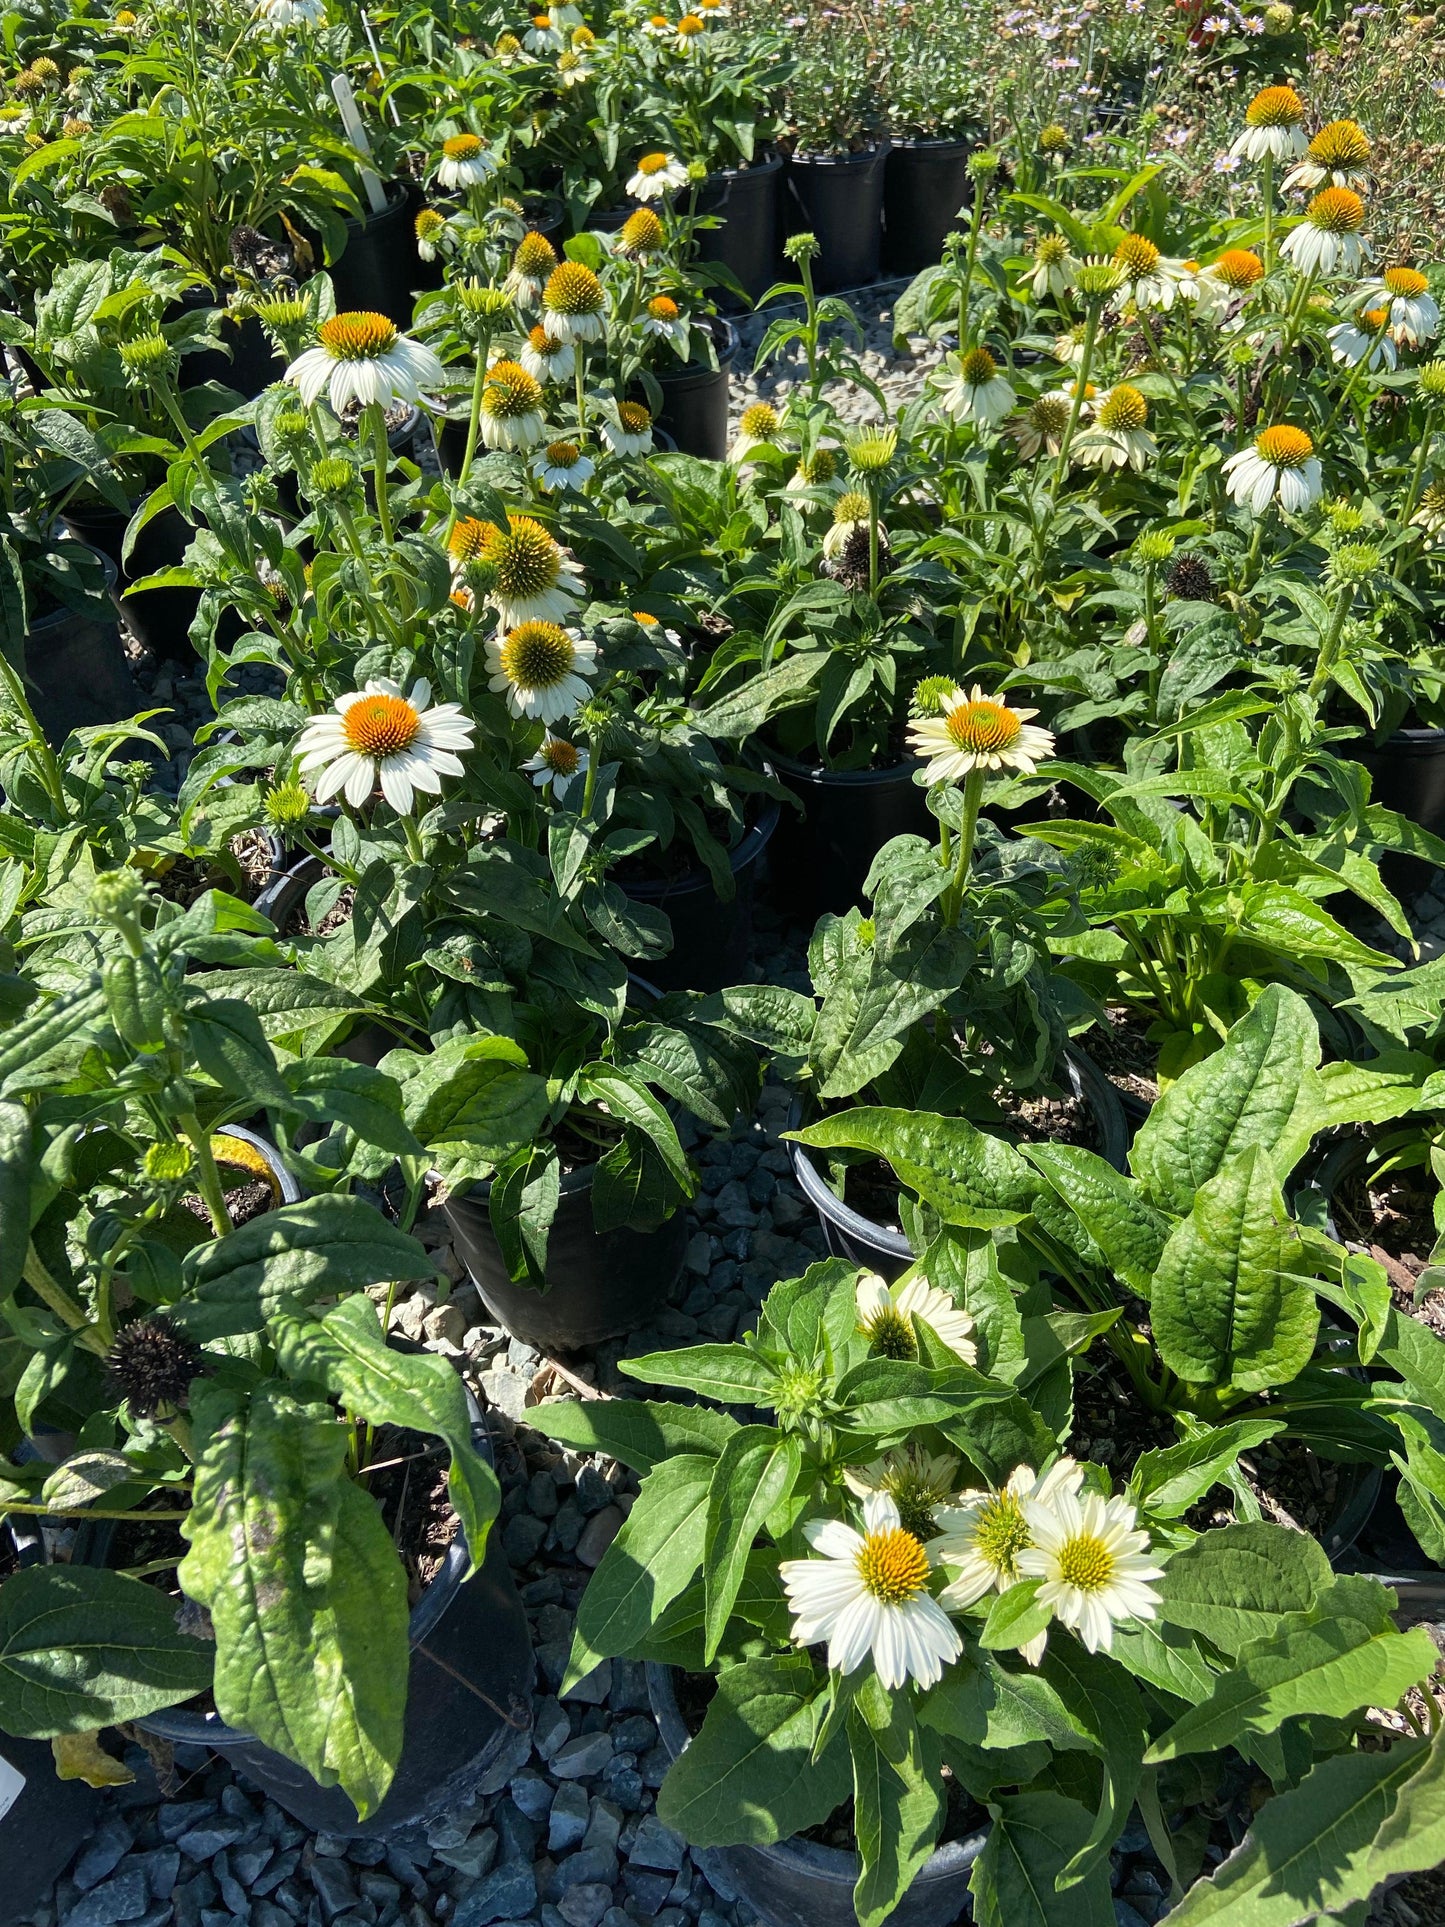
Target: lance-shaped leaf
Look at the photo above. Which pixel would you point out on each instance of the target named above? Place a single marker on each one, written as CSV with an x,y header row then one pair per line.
x,y
303,1585
1229,1306
280,1261
731,1374
82,1648
1112,1208
346,1353
1168,1480
1014,1882
967,1176
641,1433
1107,1707
755,1471
898,1802
14,1195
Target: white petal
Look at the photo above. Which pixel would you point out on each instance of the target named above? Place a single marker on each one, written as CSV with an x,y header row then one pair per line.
x,y
361,782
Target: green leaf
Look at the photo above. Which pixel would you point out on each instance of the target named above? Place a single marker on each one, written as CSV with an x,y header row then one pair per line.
x,y
1168,1480
418,1391
981,1702
641,1433
632,1103
15,1155
1129,1232
1255,1092
1107,1708
82,1648
749,1778
1229,1308
474,1099
1033,1838
1234,1584
648,1564
1329,1669
1313,1849
1015,1617
86,1476
303,1585
756,1470
230,1046
731,1374
898,1800
967,1176
320,1247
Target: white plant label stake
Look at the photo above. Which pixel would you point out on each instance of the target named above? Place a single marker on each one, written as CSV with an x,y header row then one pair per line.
x,y
356,134
12,1785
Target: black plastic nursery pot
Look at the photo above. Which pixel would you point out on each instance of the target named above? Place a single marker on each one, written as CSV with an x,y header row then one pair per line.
x,y
861,1241
250,367
746,201
839,199
159,618
796,1883
694,409
926,188
710,938
76,670
818,861
379,269
1407,774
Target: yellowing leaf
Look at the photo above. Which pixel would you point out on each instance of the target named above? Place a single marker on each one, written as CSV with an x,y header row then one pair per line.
x,y
80,1756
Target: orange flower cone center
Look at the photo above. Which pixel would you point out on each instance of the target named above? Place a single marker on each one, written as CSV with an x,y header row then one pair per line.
x,y
1284,447
893,1566
381,725
357,337
983,727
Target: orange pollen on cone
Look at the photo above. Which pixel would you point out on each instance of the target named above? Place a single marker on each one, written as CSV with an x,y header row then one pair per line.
x,y
380,725
982,726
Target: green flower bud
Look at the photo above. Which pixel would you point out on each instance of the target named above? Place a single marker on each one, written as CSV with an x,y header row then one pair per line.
x,y
801,247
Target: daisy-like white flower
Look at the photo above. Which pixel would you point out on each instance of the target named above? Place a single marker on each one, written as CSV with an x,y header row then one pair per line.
x,y
640,235
574,303
1040,427
657,174
759,424
690,30
664,319
850,518
511,413
975,390
362,358
465,162
557,763
379,736
1364,340
1053,269
818,470
1117,436
1149,277
886,1314
627,428
976,731
916,1480
430,228
1327,240
293,13
1225,282
1280,467
1093,1561
1338,156
536,579
657,27
867,1594
1414,313
15,117
982,1533
542,668
547,359
573,69
533,261
563,465
1273,126
542,37
1430,515
1069,346
566,19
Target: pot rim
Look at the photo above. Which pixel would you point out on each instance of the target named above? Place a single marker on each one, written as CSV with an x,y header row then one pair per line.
x,y
860,157
939,146
693,373
824,777
833,1864
749,848
398,200
769,162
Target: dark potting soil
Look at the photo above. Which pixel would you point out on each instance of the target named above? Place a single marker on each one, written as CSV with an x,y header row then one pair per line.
x,y
408,1480
297,924
189,878
397,415
245,1201
1124,1054
1392,1218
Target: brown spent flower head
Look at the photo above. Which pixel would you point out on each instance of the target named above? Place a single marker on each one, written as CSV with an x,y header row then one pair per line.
x,y
153,1363
1191,579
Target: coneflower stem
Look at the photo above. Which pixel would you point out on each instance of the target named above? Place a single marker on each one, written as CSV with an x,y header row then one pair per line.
x,y
1266,191
1417,475
208,1178
381,462
474,427
967,831
1081,388
579,351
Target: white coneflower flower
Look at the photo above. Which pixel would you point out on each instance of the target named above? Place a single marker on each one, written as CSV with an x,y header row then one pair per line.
x,y
867,1594
1053,269
981,1534
465,162
547,359
1363,340
652,628
818,470
1093,1562
664,319
362,358
1069,346
14,118
1041,425
886,1314
1414,313
558,763
657,174
1225,281
850,518
1327,240
976,731
1149,277
534,576
690,30
1430,515
975,390
657,27
430,228
1273,126
293,13
511,412
542,668
626,427
1280,467
759,424
542,37
574,303
379,736
566,19
1338,156
1117,436
916,1480
563,465
573,69
533,261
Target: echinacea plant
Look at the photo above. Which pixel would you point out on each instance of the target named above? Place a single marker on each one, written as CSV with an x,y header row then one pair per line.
x,y
890,1583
